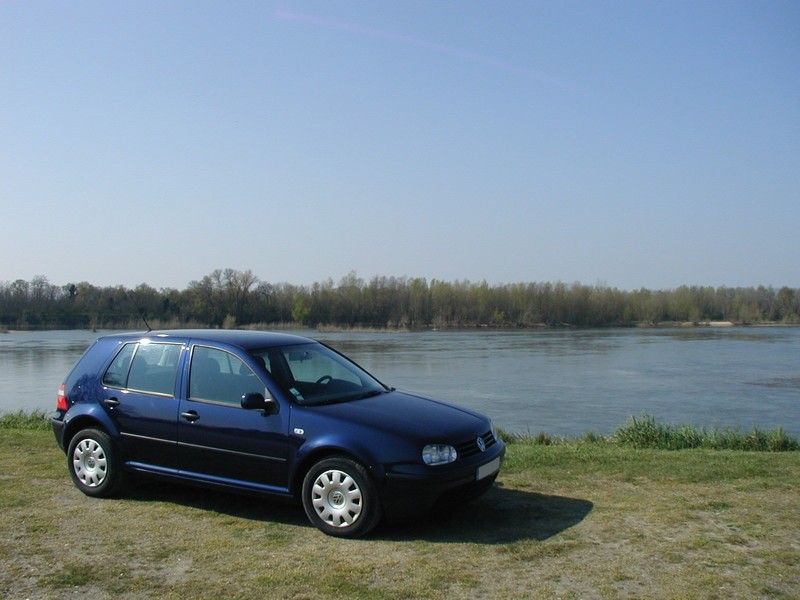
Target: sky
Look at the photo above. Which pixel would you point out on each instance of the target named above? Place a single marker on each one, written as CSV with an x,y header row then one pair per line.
x,y
620,143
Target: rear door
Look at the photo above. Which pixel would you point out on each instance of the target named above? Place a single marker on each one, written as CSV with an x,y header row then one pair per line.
x,y
222,442
139,394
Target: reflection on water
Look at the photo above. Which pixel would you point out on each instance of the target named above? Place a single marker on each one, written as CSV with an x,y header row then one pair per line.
x,y
568,382
787,382
563,382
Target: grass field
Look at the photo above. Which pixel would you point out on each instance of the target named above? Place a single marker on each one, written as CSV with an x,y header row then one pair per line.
x,y
569,520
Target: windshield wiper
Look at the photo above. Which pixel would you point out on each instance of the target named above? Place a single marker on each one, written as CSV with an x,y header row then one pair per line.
x,y
346,398
369,394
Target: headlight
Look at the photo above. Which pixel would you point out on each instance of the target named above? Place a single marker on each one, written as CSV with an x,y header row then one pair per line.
x,y
494,430
439,454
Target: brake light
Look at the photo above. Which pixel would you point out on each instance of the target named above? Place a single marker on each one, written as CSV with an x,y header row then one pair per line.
x,y
62,402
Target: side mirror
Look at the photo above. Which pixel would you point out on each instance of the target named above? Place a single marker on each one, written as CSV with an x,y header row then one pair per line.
x,y
256,401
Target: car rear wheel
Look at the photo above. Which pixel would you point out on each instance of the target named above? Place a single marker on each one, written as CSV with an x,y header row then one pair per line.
x,y
93,464
340,498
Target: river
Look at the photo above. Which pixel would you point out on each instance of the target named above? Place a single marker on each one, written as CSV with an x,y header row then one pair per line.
x,y
564,382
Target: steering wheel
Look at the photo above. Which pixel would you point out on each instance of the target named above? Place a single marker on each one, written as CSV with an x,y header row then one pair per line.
x,y
324,380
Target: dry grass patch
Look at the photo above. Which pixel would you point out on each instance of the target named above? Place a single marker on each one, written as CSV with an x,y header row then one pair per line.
x,y
571,521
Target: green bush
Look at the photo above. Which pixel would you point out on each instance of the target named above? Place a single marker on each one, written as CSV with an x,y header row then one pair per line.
x,y
644,432
36,420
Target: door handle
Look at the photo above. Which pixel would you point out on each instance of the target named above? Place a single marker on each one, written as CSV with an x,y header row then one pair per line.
x,y
111,402
190,416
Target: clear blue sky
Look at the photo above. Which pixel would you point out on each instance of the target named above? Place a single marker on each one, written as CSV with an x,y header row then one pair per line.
x,y
632,144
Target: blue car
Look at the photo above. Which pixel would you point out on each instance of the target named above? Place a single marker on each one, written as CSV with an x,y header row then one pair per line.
x,y
270,413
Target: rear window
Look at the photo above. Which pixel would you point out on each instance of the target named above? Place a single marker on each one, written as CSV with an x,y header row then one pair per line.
x,y
145,367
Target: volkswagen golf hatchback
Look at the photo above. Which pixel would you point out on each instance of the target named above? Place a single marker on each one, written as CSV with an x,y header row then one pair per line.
x,y
270,413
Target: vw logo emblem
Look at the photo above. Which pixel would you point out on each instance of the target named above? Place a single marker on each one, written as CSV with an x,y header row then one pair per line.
x,y
481,444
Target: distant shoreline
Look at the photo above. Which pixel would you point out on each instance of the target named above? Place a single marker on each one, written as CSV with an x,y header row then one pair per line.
x,y
332,328
230,299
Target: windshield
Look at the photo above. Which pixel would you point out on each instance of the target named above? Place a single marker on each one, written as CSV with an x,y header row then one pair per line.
x,y
315,374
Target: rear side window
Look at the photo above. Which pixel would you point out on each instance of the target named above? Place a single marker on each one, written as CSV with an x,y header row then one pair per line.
x,y
145,367
117,373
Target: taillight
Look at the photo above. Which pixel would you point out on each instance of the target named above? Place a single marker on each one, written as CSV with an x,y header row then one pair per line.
x,y
62,402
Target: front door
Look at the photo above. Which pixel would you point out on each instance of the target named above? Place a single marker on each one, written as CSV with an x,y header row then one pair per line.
x,y
222,442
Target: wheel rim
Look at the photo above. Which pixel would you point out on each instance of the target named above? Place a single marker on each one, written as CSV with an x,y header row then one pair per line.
x,y
337,498
90,463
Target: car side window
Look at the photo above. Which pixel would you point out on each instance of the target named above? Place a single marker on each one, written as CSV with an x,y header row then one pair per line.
x,y
219,376
145,367
117,373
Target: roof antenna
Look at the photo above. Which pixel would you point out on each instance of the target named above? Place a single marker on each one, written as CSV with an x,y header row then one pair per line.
x,y
139,310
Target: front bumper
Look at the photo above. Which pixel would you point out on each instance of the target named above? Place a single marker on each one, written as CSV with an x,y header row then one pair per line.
x,y
410,490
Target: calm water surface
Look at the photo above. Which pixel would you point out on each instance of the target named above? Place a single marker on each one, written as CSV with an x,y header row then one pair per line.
x,y
563,382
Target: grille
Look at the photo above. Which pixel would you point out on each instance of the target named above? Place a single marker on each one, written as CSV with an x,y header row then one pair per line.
x,y
470,447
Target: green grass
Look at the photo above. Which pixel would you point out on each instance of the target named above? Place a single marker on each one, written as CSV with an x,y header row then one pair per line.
x,y
584,519
644,432
37,420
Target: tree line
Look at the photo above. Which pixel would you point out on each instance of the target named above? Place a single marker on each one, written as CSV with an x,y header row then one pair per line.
x,y
231,298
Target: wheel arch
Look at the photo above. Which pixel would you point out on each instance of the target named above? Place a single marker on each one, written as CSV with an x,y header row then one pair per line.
x,y
313,456
85,421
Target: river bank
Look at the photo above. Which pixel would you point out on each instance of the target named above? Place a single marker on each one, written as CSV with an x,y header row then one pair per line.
x,y
334,328
642,432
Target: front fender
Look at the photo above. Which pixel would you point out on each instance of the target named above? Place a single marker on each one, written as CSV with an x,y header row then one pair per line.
x,y
312,450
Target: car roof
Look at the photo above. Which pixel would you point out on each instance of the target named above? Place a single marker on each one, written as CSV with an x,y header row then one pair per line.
x,y
247,339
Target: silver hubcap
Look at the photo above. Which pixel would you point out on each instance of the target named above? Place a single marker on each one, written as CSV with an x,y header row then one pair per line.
x,y
337,498
89,463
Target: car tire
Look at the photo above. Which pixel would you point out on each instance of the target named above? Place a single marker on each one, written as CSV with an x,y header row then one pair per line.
x,y
93,464
340,498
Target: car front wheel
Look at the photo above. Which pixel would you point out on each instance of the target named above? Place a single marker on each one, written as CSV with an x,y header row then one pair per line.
x,y
93,464
340,497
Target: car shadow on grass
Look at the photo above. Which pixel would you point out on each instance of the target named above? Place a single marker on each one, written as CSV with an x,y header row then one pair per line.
x,y
500,516
233,504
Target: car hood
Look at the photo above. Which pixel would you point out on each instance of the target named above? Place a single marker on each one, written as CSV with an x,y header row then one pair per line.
x,y
410,415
